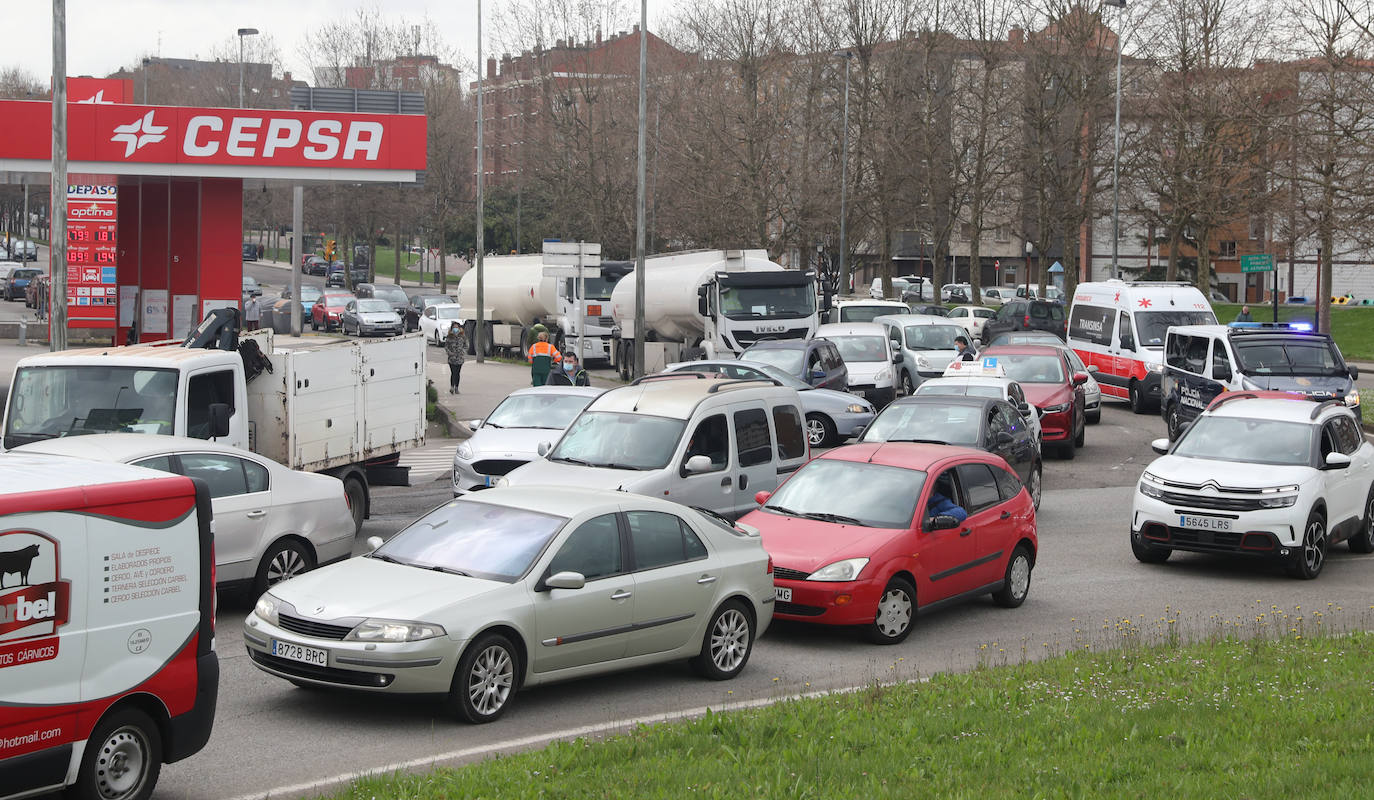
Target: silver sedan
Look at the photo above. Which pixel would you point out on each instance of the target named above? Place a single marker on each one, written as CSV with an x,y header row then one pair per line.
x,y
510,436
521,586
831,416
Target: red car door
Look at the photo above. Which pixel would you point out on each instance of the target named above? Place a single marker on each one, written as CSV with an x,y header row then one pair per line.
x,y
991,521
944,558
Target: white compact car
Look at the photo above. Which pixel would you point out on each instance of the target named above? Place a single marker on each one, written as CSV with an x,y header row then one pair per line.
x,y
511,434
511,588
971,318
1268,476
868,355
271,522
436,320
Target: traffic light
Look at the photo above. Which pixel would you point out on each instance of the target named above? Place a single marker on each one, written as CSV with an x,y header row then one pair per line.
x,y
329,250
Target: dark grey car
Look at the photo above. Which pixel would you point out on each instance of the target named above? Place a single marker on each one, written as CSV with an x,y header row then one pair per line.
x,y
815,361
1027,315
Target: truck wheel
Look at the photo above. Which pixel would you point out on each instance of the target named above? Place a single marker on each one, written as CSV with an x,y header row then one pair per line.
x,y
122,760
470,328
487,347
285,559
356,494
623,360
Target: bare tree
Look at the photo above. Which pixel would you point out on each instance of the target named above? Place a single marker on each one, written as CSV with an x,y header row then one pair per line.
x,y
17,83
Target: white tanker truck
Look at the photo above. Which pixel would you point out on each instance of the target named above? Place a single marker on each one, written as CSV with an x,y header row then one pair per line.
x,y
710,303
517,294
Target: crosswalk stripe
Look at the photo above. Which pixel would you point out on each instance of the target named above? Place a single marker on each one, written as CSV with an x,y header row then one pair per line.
x,y
429,462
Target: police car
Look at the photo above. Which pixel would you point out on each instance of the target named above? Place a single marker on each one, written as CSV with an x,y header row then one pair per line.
x,y
982,377
1260,477
1203,361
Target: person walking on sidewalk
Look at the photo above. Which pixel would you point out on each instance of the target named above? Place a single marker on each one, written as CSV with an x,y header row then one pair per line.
x,y
542,357
456,348
252,312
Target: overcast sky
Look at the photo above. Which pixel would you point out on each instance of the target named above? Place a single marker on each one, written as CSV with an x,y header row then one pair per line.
x,y
105,35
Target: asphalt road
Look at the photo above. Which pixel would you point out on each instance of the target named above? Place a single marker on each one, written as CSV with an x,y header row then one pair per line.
x,y
273,739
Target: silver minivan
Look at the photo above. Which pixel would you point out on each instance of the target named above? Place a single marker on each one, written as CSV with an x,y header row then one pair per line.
x,y
698,440
926,343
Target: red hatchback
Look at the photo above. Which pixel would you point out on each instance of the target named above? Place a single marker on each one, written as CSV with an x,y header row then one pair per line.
x,y
328,308
1051,385
868,533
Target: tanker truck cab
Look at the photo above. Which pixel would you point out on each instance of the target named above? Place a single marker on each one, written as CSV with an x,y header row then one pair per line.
x,y
1119,327
687,437
754,305
107,639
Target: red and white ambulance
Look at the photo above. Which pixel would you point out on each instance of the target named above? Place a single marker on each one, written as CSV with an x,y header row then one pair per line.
x,y
107,639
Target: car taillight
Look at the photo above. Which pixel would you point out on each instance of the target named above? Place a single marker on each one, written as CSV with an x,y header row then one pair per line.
x,y
769,571
1026,321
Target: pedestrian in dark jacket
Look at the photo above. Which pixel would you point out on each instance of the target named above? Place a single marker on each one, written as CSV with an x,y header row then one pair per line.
x,y
965,351
456,348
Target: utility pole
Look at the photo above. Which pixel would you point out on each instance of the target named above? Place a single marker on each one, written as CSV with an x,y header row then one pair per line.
x,y
297,251
639,202
479,326
242,33
843,288
57,243
1116,151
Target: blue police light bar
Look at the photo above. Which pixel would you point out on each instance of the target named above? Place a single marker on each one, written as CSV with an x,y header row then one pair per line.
x,y
1272,326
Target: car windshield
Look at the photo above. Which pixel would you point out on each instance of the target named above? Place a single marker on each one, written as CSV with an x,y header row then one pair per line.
x,y
598,288
448,312
1152,325
786,359
767,302
1251,441
372,305
49,402
927,422
391,294
1033,369
960,389
932,337
1310,356
473,538
538,410
24,273
855,349
619,441
866,313
874,495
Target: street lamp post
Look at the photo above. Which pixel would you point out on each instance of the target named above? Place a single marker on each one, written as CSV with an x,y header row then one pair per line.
x,y
1116,151
242,33
844,175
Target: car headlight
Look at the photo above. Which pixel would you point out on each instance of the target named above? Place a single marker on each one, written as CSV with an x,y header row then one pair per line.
x,y
1150,490
390,630
267,607
884,374
1157,368
464,451
1057,409
1352,398
855,408
1278,496
846,570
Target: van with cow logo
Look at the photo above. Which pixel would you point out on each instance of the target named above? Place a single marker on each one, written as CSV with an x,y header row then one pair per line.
x,y
107,639
1119,327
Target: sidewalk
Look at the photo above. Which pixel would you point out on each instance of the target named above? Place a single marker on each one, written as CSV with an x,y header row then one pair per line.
x,y
483,387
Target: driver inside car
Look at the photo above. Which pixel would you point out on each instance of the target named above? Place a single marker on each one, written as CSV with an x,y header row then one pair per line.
x,y
941,502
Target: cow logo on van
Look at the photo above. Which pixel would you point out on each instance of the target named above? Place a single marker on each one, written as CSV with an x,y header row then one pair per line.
x,y
34,601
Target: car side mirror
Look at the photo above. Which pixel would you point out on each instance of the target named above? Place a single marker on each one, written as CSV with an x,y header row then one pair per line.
x,y
1354,372
374,542
1094,369
697,465
544,448
762,497
942,522
477,423
219,420
1335,460
1160,446
817,375
1080,378
897,358
565,580
1025,410
1004,438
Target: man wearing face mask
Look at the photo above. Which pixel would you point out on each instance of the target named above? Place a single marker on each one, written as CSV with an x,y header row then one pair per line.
x,y
570,374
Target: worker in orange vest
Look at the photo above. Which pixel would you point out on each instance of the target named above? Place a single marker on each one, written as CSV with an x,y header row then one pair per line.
x,y
542,356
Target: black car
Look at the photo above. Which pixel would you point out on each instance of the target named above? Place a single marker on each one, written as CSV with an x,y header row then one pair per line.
x,y
984,423
1027,315
418,304
315,265
816,361
389,292
250,251
335,276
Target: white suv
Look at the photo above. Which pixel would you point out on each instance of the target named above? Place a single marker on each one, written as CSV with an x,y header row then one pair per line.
x,y
1260,476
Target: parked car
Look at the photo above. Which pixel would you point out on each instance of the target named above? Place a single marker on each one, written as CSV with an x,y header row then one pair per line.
x,y
315,265
23,250
417,305
863,310
698,440
1281,479
335,275
271,522
971,379
984,423
1026,315
1027,337
250,251
1092,390
390,292
995,295
510,435
1051,384
927,309
437,319
831,417
370,317
328,308
870,357
6,267
971,319
251,287
19,281
815,361
493,593
854,541
955,292
915,284
926,344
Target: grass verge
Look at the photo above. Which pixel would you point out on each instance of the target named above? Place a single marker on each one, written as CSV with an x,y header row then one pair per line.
x,y
1351,326
1230,717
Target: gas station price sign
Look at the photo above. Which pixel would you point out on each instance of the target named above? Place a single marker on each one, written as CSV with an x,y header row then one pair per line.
x,y
92,253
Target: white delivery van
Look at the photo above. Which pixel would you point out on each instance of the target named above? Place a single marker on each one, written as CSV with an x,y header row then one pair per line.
x,y
1119,327
107,635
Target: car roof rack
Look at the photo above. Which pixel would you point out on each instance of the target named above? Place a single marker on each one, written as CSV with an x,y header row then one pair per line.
x,y
662,376
734,383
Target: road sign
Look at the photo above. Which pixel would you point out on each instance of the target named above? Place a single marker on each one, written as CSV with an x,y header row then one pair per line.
x,y
570,271
1259,262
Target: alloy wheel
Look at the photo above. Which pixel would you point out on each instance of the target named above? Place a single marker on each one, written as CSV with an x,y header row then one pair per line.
x,y
730,640
490,681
